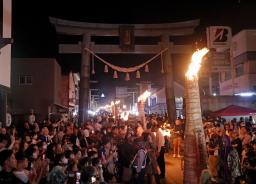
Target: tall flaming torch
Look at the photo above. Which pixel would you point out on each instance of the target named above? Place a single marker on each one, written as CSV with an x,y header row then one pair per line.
x,y
195,156
141,105
114,109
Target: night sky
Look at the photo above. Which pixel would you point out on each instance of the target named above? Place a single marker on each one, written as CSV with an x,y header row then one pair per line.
x,y
34,36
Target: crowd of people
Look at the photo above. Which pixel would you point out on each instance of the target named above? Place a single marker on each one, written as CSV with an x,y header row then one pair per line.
x,y
231,149
104,150
100,151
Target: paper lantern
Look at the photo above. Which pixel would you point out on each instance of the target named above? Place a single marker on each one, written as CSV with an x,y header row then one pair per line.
x,y
93,71
115,76
127,77
146,68
138,74
162,63
106,69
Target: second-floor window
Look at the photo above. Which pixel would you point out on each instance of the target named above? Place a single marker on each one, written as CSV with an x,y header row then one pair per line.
x,y
239,70
227,76
25,80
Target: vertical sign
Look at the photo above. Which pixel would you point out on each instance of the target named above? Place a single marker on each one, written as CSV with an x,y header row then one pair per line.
x,y
5,55
126,38
1,18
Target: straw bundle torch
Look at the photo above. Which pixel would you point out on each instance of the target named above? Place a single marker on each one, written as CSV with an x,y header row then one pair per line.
x,y
141,105
195,156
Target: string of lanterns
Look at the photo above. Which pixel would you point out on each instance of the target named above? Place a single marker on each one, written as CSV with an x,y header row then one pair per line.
x,y
126,70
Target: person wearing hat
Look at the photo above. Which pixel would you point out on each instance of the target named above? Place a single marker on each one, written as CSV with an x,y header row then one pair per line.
x,y
8,162
22,163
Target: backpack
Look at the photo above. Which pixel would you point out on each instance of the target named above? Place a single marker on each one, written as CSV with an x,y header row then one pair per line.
x,y
146,161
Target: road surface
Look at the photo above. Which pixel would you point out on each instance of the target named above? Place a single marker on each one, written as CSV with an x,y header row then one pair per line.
x,y
174,174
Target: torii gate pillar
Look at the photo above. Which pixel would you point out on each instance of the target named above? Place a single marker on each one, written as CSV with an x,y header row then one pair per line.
x,y
168,80
84,80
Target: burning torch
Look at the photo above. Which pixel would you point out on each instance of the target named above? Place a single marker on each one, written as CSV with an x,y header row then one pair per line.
x,y
195,156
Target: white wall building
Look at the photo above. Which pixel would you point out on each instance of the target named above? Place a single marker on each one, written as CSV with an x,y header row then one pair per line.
x,y
157,100
243,64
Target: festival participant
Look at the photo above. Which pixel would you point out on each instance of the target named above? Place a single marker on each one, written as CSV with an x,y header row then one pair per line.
x,y
160,142
178,134
234,164
8,162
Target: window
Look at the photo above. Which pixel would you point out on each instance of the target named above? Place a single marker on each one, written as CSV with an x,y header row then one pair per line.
x,y
25,80
227,75
239,70
153,101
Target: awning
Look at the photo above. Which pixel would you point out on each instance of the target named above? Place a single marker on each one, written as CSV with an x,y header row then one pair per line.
x,y
234,110
61,108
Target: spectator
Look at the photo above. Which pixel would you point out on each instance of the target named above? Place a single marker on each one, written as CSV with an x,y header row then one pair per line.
x,y
234,164
8,162
22,163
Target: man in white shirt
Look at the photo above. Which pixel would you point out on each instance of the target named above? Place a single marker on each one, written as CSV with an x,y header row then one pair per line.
x,y
160,142
31,118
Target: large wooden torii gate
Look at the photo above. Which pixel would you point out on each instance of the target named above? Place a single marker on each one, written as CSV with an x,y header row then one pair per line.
x,y
87,30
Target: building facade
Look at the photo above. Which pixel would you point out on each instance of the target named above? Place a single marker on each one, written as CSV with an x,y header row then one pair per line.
x,y
242,79
36,84
157,100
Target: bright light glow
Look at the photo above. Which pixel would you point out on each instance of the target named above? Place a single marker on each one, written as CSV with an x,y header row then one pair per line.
x,y
124,107
125,115
246,94
75,113
134,111
195,64
102,95
115,103
105,107
214,94
144,96
91,112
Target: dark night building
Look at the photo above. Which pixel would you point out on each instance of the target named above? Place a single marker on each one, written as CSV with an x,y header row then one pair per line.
x,y
36,84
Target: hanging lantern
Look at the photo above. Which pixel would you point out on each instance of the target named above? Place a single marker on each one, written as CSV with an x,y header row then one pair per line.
x,y
127,76
162,63
93,71
146,68
138,74
115,76
106,69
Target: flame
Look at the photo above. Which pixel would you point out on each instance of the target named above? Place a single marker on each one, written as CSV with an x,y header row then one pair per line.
x,y
144,96
115,103
195,64
125,115
108,106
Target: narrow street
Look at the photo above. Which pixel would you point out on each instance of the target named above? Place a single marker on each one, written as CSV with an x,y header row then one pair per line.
x,y
174,174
